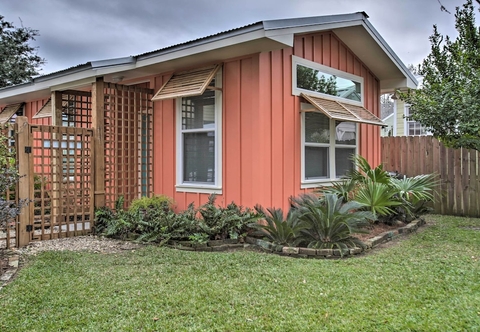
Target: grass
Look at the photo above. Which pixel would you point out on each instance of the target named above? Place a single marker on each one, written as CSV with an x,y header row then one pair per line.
x,y
429,282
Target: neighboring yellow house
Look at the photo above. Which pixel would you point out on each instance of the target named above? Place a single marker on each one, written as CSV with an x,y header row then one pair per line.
x,y
397,123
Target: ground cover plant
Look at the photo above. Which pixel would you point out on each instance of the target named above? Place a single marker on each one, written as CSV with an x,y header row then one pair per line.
x,y
428,282
153,219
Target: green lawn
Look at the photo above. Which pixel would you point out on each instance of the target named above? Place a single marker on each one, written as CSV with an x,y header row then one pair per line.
x,y
430,282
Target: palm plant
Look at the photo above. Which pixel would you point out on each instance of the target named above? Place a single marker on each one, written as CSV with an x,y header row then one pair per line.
x,y
331,223
378,198
418,188
414,193
342,189
364,172
278,229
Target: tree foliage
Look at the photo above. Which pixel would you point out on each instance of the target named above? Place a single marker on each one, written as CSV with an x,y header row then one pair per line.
x,y
8,178
18,59
448,103
308,78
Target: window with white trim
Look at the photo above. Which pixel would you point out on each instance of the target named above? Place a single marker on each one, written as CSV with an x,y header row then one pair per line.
x,y
316,79
413,128
327,148
199,120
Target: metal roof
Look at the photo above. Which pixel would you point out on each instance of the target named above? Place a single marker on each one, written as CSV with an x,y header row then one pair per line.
x,y
305,23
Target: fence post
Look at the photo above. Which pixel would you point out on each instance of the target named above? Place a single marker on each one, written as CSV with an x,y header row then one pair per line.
x,y
98,109
25,184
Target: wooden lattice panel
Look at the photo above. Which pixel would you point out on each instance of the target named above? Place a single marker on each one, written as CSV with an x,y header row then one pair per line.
x,y
63,182
128,143
8,229
76,109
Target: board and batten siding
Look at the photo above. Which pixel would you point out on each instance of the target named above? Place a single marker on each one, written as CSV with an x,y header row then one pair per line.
x,y
261,125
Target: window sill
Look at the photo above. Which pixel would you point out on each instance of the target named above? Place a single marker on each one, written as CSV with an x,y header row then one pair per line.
x,y
201,189
318,183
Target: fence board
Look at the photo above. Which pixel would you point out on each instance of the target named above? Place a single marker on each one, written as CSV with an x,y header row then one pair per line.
x,y
465,180
458,171
473,184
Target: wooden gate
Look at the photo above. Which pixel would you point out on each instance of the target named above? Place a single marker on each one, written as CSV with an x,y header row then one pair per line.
x,y
62,161
55,164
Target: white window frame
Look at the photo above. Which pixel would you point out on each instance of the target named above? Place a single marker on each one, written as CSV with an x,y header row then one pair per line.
x,y
327,70
216,187
312,183
415,123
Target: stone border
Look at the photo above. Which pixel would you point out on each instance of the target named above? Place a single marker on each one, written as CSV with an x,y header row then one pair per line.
x,y
213,245
336,253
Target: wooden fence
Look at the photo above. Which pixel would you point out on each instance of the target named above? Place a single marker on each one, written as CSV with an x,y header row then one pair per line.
x,y
458,190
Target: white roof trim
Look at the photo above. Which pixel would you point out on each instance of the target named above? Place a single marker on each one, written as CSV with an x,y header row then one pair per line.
x,y
279,32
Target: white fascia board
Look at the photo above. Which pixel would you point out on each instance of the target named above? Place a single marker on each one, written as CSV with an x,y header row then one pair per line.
x,y
411,81
311,28
201,48
73,84
66,81
113,69
286,35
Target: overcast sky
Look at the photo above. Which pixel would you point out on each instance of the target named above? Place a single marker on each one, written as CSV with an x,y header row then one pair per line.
x,y
77,31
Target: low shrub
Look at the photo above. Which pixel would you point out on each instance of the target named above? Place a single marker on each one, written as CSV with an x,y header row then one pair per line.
x,y
147,204
330,222
279,229
224,222
153,220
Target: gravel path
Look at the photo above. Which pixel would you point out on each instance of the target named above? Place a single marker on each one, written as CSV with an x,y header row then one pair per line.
x,y
80,243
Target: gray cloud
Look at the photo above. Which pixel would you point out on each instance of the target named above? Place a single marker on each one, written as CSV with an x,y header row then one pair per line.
x,y
77,31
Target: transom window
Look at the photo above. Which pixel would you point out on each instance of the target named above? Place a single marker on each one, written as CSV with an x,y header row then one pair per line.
x,y
316,79
327,147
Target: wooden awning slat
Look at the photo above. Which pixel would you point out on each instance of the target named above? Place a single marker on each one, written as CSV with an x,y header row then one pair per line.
x,y
45,111
8,111
188,83
342,111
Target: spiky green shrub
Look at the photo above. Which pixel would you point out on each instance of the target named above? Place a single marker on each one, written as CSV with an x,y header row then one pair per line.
x,y
278,229
378,198
331,222
365,172
224,222
344,189
414,193
116,223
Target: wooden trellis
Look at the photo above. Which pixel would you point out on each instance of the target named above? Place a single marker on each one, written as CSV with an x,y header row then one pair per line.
x,y
61,176
128,122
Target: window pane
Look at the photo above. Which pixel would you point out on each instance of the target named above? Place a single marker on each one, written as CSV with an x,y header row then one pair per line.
x,y
317,81
345,133
199,111
317,128
316,162
199,157
343,161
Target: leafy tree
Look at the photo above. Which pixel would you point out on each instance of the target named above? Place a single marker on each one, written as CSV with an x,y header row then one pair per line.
x,y
9,176
18,59
448,103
